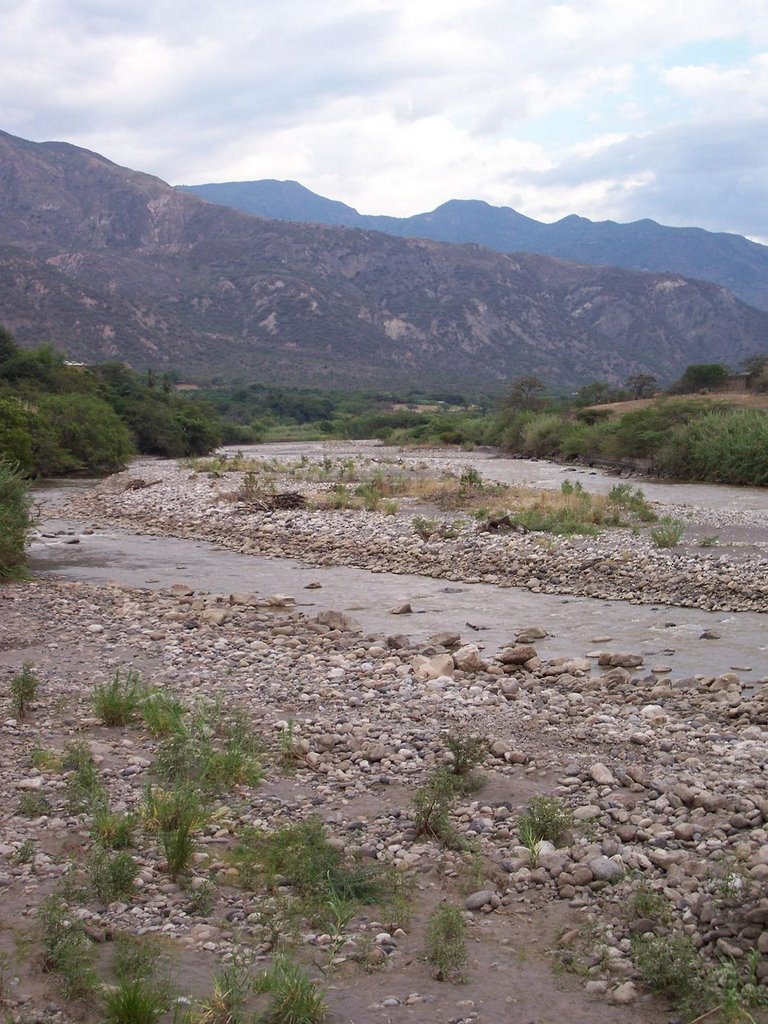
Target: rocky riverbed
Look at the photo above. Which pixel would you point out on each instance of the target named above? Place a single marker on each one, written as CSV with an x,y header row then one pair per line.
x,y
659,783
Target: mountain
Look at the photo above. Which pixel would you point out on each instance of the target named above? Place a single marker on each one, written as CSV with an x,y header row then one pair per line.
x,y
107,262
734,262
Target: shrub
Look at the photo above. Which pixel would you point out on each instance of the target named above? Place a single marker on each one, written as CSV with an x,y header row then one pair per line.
x,y
83,786
446,948
176,814
162,713
467,752
295,998
668,533
14,521
726,445
34,804
112,876
134,1001
118,701
111,829
24,686
66,948
432,804
545,819
542,434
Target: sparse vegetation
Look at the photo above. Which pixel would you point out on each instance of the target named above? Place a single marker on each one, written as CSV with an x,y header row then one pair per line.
x,y
545,819
446,949
432,805
24,687
111,875
14,517
295,998
66,949
34,804
118,701
668,533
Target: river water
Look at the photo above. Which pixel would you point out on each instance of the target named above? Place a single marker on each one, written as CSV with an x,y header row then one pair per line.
x,y
481,613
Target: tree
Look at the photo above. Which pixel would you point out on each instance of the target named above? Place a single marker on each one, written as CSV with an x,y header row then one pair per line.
x,y
525,393
700,377
641,385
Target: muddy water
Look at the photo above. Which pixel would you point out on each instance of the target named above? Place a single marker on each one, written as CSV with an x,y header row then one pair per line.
x,y
481,613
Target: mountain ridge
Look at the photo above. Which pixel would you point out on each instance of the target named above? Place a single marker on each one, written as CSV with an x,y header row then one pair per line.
x,y
108,262
735,262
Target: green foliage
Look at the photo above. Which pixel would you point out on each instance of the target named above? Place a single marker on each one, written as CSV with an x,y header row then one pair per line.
x,y
295,997
467,752
84,788
700,377
431,808
163,714
24,687
545,819
14,520
134,1001
632,499
725,445
446,947
213,750
118,701
57,419
320,874
647,902
34,804
66,949
112,829
111,875
670,965
668,533
177,814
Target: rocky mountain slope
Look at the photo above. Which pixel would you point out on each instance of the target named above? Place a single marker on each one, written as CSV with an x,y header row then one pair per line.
x,y
107,262
729,260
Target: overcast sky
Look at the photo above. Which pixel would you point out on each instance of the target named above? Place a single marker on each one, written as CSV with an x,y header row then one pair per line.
x,y
613,109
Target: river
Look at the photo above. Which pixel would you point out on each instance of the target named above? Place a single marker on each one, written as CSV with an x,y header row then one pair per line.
x,y
668,637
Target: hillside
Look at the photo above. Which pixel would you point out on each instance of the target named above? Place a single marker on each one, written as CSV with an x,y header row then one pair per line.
x,y
107,262
734,262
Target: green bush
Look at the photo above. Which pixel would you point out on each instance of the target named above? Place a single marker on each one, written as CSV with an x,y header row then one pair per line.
x,y
14,521
545,819
446,947
118,701
725,445
295,998
24,686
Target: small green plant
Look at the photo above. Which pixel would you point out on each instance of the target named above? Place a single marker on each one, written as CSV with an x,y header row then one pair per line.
x,y
467,752
633,500
118,701
163,714
544,820
668,533
176,814
66,949
111,875
432,804
425,528
24,687
446,948
25,853
112,829
389,507
646,902
670,965
135,956
34,804
84,788
531,840
711,540
200,898
471,479
290,751
134,1001
295,997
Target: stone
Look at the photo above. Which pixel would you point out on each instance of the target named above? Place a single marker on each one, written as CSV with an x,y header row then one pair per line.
x,y
479,899
624,994
619,660
602,775
604,869
338,620
432,668
517,655
469,659
401,609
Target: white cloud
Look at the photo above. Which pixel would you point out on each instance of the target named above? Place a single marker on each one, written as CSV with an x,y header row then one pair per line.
x,y
394,106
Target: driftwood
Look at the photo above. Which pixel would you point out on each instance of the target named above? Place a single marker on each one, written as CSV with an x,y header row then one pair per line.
x,y
273,502
501,524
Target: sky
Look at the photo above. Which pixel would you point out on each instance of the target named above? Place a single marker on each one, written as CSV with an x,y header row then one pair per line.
x,y
611,109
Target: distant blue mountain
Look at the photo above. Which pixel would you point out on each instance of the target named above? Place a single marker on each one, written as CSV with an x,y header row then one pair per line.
x,y
732,261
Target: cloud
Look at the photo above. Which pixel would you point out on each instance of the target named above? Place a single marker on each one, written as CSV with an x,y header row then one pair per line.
x,y
393,106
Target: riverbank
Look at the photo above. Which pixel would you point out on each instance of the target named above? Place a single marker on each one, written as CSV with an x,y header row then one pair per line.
x,y
620,564
663,779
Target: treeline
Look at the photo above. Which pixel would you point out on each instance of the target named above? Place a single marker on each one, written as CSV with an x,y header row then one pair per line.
x,y
57,419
